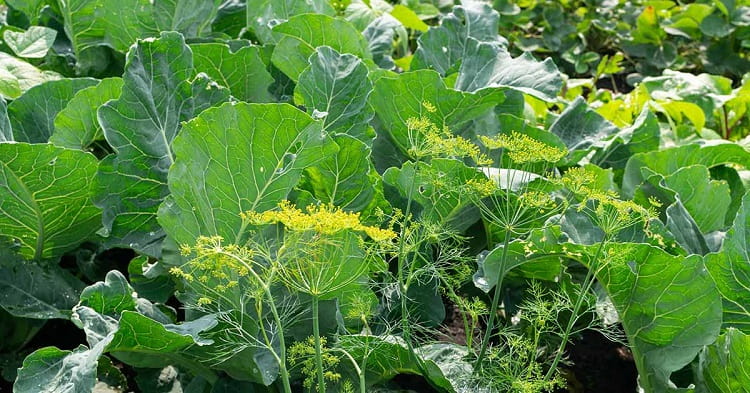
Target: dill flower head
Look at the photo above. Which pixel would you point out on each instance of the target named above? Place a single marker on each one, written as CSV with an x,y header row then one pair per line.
x,y
429,140
523,149
322,219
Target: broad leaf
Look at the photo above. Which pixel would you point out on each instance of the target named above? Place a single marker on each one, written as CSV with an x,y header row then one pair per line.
x,y
668,305
664,162
38,290
642,136
32,43
53,370
580,127
242,71
76,126
18,76
437,187
32,115
415,94
490,65
159,93
263,15
730,269
90,23
344,179
45,198
443,47
380,34
335,87
724,364
302,34
235,158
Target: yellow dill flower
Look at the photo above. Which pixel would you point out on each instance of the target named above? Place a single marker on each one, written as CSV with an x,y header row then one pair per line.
x,y
577,180
481,188
537,200
429,107
523,149
323,219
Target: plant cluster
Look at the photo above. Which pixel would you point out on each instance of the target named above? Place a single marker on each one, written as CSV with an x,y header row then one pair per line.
x,y
289,196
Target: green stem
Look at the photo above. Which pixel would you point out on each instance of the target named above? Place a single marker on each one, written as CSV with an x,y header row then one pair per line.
x,y
495,304
282,343
318,346
585,287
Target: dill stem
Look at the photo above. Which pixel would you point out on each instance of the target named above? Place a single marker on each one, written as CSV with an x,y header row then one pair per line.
x,y
318,349
495,304
585,287
282,343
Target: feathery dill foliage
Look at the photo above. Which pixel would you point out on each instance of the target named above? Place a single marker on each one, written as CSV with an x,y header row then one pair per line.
x,y
316,252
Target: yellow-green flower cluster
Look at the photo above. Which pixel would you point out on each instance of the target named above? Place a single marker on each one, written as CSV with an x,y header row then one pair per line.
x,y
303,353
524,149
323,219
429,140
212,260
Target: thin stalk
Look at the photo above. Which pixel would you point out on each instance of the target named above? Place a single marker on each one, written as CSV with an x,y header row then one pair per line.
x,y
495,304
282,343
318,346
585,287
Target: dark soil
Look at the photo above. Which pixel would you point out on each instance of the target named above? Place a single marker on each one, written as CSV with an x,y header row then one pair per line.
x,y
600,365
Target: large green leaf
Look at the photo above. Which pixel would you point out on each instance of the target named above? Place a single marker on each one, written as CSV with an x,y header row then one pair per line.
x,y
490,65
335,87
437,187
388,356
730,269
32,43
53,370
302,34
642,136
344,179
544,263
159,93
235,158
443,47
641,166
90,23
580,127
18,76
242,71
38,290
412,94
32,115
76,125
668,305
724,364
262,15
707,200
45,198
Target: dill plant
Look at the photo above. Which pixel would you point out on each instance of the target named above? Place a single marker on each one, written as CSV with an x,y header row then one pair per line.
x,y
318,252
511,204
